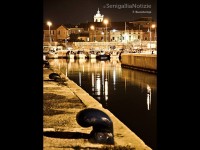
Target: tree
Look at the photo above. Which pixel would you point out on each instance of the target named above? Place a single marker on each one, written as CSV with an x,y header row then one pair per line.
x,y
73,37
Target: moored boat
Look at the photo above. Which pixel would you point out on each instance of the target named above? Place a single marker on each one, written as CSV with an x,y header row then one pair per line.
x,y
102,55
70,54
52,54
80,54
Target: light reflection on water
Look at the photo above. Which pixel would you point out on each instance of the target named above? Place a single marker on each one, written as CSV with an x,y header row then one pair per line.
x,y
130,95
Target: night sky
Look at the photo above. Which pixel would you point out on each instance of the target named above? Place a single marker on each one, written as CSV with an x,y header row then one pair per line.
x,y
83,11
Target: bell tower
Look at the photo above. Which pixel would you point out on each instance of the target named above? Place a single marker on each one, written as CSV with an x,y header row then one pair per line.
x,y
98,17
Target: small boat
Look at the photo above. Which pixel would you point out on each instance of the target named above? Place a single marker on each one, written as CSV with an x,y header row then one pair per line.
x,y
92,55
52,54
70,54
80,54
102,55
114,55
46,50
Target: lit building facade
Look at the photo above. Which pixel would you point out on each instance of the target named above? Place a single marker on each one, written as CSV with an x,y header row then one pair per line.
x,y
98,17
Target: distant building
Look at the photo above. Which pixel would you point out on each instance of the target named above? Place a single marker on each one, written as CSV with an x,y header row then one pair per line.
x,y
46,33
98,17
62,33
96,31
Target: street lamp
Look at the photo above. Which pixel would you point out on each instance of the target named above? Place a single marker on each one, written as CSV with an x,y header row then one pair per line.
x,y
105,21
154,26
140,37
49,24
93,28
149,30
102,35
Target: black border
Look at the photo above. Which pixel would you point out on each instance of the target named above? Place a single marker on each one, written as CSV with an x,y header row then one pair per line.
x,y
22,95
177,75
22,76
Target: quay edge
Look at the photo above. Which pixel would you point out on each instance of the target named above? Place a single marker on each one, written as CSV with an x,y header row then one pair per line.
x,y
142,62
123,136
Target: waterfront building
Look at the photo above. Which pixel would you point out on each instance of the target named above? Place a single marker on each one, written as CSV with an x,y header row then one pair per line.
x,y
98,17
142,29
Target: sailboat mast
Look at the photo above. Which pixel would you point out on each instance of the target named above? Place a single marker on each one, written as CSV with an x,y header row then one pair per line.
x,y
125,32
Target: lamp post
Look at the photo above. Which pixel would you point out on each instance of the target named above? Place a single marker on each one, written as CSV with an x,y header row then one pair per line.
x,y
102,35
149,30
154,26
106,22
140,37
150,37
93,28
49,24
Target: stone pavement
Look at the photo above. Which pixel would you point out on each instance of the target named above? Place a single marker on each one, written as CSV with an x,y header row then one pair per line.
x,y
61,103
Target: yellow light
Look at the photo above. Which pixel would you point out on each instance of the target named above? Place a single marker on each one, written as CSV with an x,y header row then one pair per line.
x,y
92,27
105,21
49,23
153,25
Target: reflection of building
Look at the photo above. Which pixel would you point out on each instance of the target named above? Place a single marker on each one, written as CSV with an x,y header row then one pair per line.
x,y
97,88
106,89
140,78
148,97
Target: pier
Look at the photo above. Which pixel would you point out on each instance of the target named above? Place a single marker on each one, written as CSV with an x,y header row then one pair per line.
x,y
143,62
62,101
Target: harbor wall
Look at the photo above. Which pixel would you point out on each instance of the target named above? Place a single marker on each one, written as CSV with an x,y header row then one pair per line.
x,y
143,62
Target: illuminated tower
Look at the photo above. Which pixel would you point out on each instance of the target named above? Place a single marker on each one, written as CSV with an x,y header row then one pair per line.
x,y
98,17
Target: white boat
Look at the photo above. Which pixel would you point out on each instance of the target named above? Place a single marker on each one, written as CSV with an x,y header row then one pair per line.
x,y
92,55
52,54
114,55
80,55
46,49
70,54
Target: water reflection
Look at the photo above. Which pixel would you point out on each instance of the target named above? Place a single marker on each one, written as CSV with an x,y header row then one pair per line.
x,y
140,78
148,97
104,76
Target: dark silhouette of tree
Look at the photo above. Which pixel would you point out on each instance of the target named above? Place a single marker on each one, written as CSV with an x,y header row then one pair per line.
x,y
74,38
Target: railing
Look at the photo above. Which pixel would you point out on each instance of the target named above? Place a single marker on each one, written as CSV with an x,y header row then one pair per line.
x,y
134,45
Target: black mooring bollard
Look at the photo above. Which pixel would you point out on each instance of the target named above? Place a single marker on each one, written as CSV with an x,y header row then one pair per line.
x,y
102,125
54,76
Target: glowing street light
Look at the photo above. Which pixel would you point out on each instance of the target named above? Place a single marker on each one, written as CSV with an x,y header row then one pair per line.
x,y
149,30
154,26
49,24
151,26
92,27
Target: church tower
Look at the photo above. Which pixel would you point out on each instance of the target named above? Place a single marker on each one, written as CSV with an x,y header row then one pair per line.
x,y
98,17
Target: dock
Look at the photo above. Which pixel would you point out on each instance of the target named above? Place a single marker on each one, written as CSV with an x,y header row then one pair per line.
x,y
62,100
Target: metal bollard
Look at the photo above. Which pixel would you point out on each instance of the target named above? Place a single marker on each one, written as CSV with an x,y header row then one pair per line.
x,y
54,76
102,125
